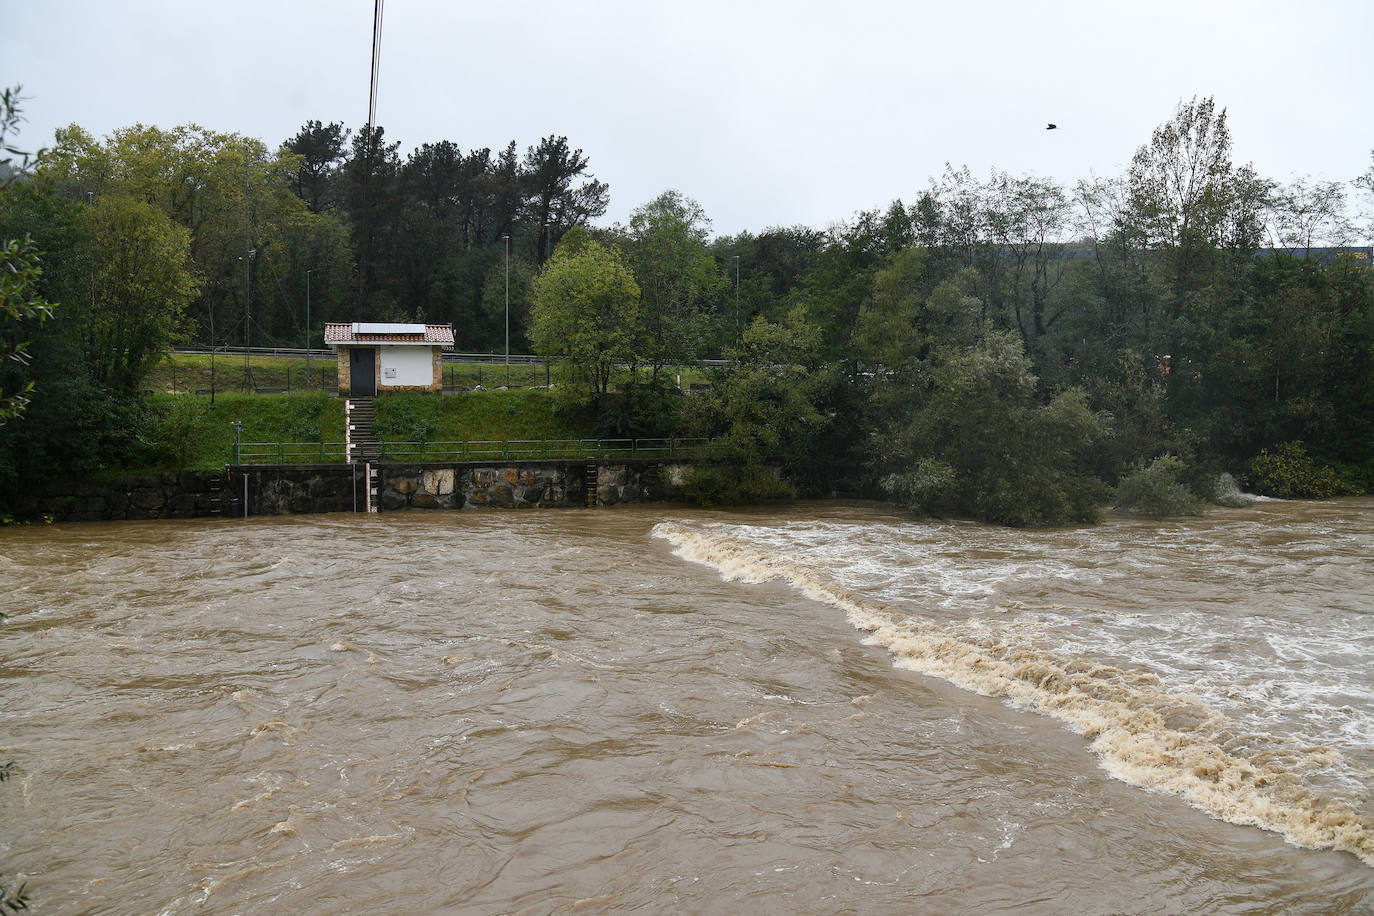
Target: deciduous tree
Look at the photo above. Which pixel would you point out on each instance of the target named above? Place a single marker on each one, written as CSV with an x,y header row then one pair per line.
x,y
586,304
144,279
1180,192
767,398
679,281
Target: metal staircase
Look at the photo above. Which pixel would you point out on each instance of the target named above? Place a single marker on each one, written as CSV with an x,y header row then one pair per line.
x,y
360,442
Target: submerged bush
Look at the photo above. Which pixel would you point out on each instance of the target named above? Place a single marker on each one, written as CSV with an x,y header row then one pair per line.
x,y
1289,472
1226,492
1156,491
928,488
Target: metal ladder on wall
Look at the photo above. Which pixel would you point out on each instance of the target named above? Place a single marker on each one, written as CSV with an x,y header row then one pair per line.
x,y
373,488
214,488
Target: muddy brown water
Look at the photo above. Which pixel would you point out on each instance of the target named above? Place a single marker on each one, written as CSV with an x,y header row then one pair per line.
x,y
823,708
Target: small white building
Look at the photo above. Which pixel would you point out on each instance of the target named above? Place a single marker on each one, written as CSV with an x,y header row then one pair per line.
x,y
376,357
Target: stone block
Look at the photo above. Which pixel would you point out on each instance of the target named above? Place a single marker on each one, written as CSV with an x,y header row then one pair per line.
x,y
147,499
404,485
390,500
424,500
497,497
530,495
438,482
184,504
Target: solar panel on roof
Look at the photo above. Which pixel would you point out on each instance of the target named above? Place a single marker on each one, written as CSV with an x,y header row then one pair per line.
x,y
364,327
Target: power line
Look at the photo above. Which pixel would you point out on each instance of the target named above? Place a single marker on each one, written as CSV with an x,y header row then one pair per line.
x,y
376,63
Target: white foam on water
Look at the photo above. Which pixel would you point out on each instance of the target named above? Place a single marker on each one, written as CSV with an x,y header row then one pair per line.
x,y
1147,730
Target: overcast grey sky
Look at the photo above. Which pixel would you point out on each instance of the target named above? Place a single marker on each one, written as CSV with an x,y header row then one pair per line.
x,y
768,113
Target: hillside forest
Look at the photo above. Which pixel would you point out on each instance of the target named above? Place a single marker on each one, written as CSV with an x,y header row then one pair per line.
x,y
1002,347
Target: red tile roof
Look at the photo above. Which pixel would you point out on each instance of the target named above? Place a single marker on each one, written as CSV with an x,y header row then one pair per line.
x,y
336,333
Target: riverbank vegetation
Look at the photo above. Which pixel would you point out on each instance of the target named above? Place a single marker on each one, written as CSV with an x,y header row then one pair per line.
x,y
1005,347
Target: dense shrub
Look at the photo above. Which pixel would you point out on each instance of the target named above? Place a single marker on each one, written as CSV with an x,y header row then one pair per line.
x,y
171,429
1156,491
1288,472
980,443
734,485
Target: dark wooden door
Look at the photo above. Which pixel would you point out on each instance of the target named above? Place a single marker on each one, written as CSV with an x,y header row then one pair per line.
x,y
362,372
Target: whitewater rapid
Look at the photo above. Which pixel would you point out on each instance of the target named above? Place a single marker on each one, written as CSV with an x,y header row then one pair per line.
x,y
1149,730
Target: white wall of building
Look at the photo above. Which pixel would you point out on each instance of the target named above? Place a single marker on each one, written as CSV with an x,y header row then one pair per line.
x,y
407,367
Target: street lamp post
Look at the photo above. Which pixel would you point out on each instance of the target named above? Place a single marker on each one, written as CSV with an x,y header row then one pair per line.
x,y
248,320
507,239
736,292
307,327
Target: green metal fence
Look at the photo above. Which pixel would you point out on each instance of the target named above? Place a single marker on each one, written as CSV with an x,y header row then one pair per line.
x,y
290,452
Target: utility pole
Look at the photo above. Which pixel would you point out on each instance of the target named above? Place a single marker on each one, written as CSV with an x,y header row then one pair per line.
x,y
248,253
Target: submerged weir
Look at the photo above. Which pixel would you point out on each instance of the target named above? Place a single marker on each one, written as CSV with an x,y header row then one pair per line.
x,y
1148,732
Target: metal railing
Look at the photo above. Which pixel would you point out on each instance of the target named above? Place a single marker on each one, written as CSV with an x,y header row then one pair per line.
x,y
290,452
487,450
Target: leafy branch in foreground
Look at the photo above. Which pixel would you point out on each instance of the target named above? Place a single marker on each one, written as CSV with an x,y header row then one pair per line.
x,y
19,270
19,273
12,900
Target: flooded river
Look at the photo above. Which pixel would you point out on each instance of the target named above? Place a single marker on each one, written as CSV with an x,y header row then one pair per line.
x,y
823,708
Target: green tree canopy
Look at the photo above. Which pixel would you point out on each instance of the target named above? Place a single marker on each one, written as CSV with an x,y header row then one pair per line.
x,y
144,280
585,307
767,398
981,445
678,279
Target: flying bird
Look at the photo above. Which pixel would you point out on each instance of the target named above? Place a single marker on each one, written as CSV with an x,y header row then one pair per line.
x,y
1052,127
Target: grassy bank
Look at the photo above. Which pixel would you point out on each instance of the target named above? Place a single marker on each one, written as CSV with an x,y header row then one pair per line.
x,y
187,431
474,416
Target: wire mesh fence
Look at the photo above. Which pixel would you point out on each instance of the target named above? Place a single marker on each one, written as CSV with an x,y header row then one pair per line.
x,y
486,450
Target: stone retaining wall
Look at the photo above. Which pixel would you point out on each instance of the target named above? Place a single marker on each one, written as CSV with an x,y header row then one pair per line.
x,y
187,494
525,485
302,488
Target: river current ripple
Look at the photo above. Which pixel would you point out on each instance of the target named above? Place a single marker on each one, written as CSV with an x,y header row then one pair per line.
x,y
822,708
